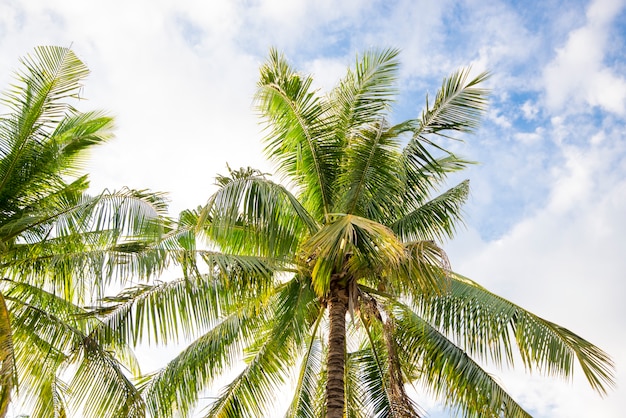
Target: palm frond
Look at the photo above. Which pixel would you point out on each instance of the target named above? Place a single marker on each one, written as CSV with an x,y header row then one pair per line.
x,y
252,215
355,406
447,371
370,180
422,270
99,385
458,106
50,332
162,312
37,104
436,219
81,246
270,357
351,244
373,363
300,140
77,133
487,325
307,388
176,387
365,93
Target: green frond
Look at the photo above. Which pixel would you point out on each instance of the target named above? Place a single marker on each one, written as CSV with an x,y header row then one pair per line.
x,y
365,93
488,325
300,140
350,244
60,247
354,397
252,215
436,219
424,269
372,361
77,133
383,379
370,181
459,105
162,312
272,355
424,172
80,248
48,77
306,390
176,387
49,333
99,385
37,105
447,371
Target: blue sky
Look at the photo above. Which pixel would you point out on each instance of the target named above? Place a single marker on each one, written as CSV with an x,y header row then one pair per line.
x,y
546,220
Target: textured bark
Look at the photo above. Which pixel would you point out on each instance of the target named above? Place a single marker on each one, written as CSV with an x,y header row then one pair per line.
x,y
401,404
6,358
335,391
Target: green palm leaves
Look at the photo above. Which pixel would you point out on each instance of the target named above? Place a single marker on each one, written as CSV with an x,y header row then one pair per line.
x,y
61,248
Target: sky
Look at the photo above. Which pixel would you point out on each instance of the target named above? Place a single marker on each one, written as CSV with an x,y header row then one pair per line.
x,y
546,220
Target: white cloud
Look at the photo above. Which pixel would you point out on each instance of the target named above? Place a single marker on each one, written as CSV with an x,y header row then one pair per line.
x,y
578,76
530,138
530,110
498,118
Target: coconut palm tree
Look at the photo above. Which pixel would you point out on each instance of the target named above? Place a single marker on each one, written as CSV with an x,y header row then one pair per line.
x,y
332,286
60,249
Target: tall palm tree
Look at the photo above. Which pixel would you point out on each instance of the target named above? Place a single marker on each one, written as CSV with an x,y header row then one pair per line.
x,y
61,249
353,231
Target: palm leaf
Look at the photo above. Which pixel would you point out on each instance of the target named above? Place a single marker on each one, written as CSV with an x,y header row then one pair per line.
x,y
300,141
176,387
436,219
113,396
270,357
365,92
459,105
162,312
487,325
448,371
357,244
306,391
370,177
49,335
252,215
50,76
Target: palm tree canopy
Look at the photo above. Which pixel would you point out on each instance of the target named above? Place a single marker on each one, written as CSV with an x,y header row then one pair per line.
x,y
353,226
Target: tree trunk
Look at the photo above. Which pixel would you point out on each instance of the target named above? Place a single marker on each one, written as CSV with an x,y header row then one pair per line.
x,y
400,403
335,392
7,359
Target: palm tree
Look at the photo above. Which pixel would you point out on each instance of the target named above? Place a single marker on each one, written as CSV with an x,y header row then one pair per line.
x,y
354,231
61,249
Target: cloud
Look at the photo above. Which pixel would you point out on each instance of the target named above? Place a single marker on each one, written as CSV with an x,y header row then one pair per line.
x,y
578,75
565,263
530,137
